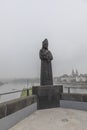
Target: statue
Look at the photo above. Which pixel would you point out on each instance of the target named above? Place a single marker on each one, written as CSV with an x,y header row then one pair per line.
x,y
48,95
46,68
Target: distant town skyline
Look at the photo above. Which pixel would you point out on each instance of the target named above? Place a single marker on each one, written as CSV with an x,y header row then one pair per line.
x,y
74,77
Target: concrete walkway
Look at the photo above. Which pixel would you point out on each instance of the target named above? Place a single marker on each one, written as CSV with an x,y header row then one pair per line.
x,y
54,119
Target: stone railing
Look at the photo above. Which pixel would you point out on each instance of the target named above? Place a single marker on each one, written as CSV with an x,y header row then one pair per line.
x,y
12,112
74,97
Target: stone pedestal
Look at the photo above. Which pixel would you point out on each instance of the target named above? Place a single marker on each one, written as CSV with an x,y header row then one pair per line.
x,y
48,96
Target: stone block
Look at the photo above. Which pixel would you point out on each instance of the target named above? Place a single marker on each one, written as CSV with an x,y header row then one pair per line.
x,y
47,96
13,106
2,111
74,97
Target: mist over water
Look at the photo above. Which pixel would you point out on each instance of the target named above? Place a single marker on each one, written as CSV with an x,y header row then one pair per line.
x,y
12,87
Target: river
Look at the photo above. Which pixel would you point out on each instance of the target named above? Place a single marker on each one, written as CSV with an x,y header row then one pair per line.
x,y
14,86
10,87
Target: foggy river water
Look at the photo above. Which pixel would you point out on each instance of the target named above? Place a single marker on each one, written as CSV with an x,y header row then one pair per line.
x,y
10,87
14,86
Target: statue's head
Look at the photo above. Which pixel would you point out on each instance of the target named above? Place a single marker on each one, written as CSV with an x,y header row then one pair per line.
x,y
45,44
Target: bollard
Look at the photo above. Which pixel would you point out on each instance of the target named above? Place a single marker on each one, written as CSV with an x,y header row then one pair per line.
x,y
68,90
27,92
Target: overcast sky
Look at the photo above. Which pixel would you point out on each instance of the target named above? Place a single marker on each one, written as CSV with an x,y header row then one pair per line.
x,y
24,24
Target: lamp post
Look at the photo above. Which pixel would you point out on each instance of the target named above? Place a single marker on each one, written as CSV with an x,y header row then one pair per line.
x,y
27,88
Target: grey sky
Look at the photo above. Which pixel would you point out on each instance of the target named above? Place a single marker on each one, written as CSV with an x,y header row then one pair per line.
x,y
25,23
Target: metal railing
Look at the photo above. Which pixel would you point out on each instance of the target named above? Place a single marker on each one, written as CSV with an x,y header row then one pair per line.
x,y
69,88
28,93
17,91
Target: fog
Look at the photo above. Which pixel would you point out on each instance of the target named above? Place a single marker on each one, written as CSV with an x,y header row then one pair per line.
x,y
24,24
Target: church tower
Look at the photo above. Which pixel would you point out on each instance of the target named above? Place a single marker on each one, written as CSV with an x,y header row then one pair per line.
x,y
77,74
73,73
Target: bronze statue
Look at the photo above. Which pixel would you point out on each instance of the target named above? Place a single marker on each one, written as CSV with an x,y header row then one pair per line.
x,y
46,68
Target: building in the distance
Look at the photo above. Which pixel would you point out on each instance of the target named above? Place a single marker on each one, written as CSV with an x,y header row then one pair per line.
x,y
75,77
81,78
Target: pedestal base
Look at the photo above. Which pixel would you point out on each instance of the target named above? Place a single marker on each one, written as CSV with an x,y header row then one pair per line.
x,y
47,96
